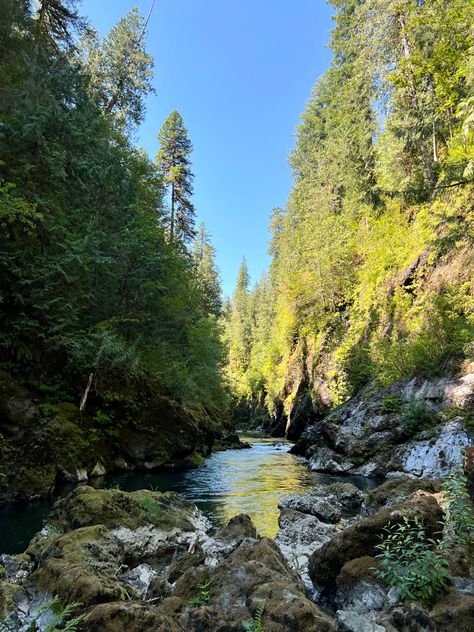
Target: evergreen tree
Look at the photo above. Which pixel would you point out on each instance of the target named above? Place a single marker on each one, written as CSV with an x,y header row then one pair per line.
x,y
175,166
119,68
207,273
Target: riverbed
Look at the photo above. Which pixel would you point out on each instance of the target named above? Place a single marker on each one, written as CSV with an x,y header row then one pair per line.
x,y
247,481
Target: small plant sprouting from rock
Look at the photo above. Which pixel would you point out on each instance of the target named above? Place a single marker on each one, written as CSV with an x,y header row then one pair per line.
x,y
459,515
415,417
60,620
255,624
203,597
391,404
415,565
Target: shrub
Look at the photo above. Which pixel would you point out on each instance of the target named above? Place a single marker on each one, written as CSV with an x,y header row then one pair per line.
x,y
415,417
391,404
459,516
410,562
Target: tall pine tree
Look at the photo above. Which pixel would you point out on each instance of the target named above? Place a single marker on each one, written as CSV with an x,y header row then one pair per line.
x,y
175,166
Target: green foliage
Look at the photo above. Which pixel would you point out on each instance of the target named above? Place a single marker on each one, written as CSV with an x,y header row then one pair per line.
x,y
203,597
89,281
459,514
391,404
372,266
410,562
255,624
61,616
416,417
174,166
153,509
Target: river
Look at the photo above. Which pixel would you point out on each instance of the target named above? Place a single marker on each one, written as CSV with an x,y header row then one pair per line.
x,y
247,481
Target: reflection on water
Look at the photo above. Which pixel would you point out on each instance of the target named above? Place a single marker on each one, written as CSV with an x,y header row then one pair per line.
x,y
232,482
240,481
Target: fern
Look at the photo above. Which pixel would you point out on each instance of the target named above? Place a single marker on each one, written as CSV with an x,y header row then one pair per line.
x,y
255,624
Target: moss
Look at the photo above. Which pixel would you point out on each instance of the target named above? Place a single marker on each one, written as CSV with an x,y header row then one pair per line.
x,y
81,566
34,481
354,571
87,506
7,592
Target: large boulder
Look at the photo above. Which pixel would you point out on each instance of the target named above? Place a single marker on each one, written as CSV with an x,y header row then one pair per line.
x,y
86,506
394,490
128,616
254,575
450,613
361,538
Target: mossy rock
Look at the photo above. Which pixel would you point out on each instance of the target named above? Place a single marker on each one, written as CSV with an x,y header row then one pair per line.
x,y
35,481
86,506
128,617
81,566
357,570
401,487
361,538
7,592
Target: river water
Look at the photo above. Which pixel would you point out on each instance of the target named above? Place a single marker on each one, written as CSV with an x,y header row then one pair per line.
x,y
247,481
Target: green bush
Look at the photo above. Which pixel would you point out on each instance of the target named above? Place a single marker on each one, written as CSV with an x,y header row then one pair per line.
x,y
410,562
415,417
391,404
459,515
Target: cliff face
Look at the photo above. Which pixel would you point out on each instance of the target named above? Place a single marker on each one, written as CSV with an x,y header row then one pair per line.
x,y
410,315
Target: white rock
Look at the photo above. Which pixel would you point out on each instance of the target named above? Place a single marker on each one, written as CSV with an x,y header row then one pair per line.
x,y
98,470
359,622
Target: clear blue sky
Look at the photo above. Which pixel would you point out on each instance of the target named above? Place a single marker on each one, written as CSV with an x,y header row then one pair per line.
x,y
239,72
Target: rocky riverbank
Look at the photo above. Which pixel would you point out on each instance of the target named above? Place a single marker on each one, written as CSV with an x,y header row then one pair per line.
x,y
147,561
42,443
415,427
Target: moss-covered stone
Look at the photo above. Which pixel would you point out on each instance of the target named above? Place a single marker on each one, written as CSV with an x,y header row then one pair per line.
x,y
361,538
128,617
81,566
86,506
34,481
399,488
7,592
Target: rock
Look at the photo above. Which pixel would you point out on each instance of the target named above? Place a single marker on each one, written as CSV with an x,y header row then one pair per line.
x,y
139,578
7,592
328,503
451,612
128,617
433,457
184,562
86,506
237,529
254,573
327,460
98,470
299,536
464,586
82,566
395,490
34,482
350,621
360,538
358,589
366,435
15,568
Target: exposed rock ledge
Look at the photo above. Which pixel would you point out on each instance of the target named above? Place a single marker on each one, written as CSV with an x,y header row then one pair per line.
x,y
370,435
